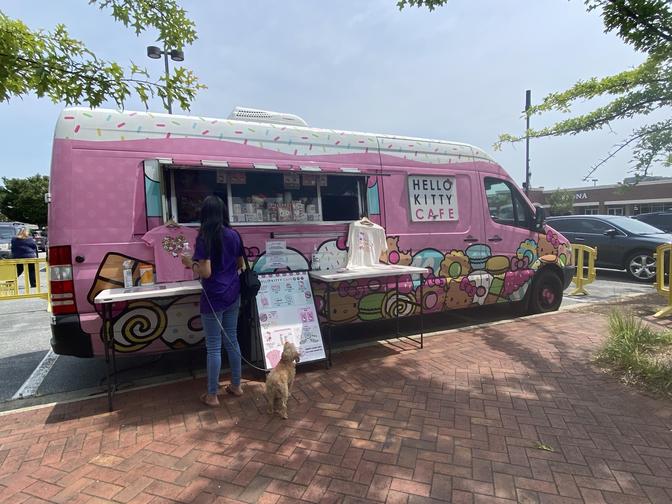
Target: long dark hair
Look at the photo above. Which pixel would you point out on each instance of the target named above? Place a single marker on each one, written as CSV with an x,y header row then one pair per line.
x,y
214,217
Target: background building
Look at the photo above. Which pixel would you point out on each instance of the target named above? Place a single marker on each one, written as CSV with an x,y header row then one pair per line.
x,y
650,194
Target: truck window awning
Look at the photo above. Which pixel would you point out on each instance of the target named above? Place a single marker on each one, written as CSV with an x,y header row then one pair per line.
x,y
238,164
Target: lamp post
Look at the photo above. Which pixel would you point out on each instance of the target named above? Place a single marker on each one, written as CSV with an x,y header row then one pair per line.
x,y
528,103
175,55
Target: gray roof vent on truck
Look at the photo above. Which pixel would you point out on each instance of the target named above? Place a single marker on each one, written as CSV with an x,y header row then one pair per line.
x,y
256,115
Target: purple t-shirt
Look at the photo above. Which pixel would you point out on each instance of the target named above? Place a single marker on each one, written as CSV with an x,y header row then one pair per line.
x,y
223,286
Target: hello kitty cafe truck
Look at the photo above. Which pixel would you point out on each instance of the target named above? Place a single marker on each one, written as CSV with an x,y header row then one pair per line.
x,y
445,206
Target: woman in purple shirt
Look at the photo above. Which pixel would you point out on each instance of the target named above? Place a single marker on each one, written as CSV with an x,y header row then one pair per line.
x,y
217,259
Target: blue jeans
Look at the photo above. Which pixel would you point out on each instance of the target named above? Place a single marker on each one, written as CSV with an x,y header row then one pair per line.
x,y
213,344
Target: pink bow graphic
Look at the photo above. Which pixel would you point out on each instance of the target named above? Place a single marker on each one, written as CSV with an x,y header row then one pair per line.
x,y
433,281
251,252
350,289
470,288
553,239
519,264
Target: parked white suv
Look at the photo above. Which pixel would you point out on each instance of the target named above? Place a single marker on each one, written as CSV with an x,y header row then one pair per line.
x,y
7,232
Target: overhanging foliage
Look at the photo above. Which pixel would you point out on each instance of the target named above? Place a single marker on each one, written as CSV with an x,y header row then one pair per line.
x,y
54,65
646,25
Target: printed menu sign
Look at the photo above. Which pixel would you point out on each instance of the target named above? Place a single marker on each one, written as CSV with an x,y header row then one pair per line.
x,y
286,309
432,198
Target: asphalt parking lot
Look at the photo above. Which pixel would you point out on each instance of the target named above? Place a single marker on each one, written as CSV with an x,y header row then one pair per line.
x,y
30,373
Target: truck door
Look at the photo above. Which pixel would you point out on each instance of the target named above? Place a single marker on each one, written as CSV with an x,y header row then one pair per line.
x,y
508,220
432,218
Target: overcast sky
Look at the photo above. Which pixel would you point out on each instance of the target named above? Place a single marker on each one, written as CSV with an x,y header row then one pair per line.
x,y
458,73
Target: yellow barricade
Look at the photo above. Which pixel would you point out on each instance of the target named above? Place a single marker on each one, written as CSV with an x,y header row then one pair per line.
x,y
663,251
13,287
579,278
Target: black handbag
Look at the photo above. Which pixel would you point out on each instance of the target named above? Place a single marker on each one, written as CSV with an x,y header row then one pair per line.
x,y
249,280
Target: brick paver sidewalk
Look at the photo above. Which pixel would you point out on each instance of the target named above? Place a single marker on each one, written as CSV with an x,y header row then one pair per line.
x,y
508,413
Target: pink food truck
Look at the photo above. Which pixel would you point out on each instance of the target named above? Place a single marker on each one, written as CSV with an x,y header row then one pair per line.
x,y
445,206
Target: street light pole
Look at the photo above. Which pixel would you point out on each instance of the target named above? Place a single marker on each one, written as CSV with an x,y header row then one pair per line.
x,y
170,98
528,103
176,55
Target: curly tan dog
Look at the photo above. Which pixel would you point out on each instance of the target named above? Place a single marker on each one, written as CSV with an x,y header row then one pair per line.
x,y
279,380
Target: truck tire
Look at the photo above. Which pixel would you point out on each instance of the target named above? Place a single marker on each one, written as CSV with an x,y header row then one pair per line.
x,y
546,292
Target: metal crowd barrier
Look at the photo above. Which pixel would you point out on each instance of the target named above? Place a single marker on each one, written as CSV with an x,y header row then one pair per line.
x,y
662,252
579,279
13,287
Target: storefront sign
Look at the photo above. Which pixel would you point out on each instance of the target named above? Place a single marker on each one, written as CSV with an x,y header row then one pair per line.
x,y
286,310
432,198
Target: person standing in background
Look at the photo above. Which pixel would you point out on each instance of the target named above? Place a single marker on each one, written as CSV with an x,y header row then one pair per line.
x,y
24,247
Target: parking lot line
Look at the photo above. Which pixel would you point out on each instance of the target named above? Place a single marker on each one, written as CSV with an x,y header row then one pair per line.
x,y
36,378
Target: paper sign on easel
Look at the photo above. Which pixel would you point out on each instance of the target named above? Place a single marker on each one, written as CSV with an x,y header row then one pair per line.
x,y
286,310
276,254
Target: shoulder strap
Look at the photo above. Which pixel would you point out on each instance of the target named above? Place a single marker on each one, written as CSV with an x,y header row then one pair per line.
x,y
242,245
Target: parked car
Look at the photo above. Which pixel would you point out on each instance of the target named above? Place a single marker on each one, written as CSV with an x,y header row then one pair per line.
x,y
661,220
622,242
7,232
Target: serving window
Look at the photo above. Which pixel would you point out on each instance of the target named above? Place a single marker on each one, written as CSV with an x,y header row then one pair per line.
x,y
254,197
190,187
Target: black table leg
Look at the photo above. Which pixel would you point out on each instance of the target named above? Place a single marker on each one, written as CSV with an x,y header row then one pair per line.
x,y
114,356
422,311
107,336
396,304
328,306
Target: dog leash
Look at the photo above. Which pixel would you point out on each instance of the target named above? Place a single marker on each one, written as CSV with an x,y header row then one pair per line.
x,y
219,322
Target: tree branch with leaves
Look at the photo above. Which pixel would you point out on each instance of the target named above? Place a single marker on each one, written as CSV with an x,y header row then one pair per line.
x,y
647,26
55,65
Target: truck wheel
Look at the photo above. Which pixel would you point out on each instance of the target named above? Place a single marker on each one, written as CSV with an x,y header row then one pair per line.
x,y
546,292
641,266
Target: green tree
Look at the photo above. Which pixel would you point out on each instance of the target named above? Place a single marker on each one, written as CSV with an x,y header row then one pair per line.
x,y
23,199
646,25
54,65
561,202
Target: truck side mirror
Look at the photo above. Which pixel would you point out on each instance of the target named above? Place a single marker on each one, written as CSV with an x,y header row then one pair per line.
x,y
539,217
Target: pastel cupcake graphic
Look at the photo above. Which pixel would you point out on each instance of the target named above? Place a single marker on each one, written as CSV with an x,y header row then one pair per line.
x,y
478,255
